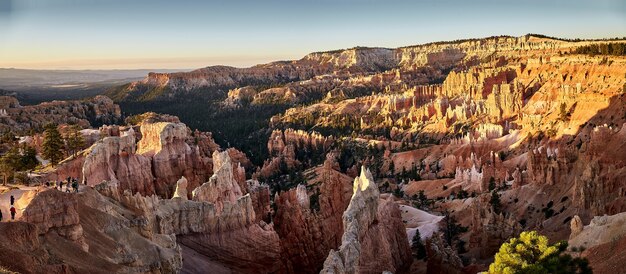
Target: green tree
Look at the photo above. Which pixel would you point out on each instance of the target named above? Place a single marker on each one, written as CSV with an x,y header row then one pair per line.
x,y
496,205
418,248
74,140
492,184
452,230
6,170
531,253
28,159
52,144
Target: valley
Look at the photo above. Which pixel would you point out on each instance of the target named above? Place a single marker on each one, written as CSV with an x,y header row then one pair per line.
x,y
331,163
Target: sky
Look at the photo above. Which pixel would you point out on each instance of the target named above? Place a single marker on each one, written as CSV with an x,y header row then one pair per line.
x,y
185,34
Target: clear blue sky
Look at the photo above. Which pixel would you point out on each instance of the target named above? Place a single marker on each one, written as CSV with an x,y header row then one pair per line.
x,y
190,34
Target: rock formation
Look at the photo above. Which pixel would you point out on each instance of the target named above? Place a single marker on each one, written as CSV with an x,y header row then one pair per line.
x,y
181,189
310,226
94,112
165,153
367,227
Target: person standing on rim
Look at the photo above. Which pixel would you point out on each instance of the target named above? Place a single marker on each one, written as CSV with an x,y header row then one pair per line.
x,y
13,211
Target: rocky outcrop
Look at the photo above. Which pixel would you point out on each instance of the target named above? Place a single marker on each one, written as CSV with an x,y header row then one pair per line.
x,y
181,189
114,159
292,149
261,200
489,229
442,258
310,225
166,145
602,242
219,222
367,228
576,226
222,186
165,153
84,233
93,112
53,210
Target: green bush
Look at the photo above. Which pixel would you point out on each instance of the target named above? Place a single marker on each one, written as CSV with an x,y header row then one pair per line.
x,y
531,253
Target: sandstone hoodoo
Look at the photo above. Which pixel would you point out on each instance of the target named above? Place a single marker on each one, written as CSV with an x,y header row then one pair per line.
x,y
420,159
369,225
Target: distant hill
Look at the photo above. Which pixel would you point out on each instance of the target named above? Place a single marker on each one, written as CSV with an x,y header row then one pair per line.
x,y
35,86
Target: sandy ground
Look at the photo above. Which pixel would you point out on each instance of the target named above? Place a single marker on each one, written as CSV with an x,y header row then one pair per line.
x,y
5,200
414,218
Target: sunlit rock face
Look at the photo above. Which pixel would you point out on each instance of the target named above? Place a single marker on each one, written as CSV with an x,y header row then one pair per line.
x,y
369,225
114,159
165,152
222,186
172,156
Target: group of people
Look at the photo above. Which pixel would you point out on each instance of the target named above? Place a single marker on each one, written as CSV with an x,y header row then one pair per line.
x,y
69,182
12,210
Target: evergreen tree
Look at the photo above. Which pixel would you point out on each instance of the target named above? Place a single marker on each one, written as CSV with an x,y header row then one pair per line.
x,y
52,144
6,168
418,248
74,140
452,230
496,205
492,184
531,253
28,159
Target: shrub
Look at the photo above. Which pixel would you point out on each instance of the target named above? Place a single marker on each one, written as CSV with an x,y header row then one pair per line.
x,y
531,253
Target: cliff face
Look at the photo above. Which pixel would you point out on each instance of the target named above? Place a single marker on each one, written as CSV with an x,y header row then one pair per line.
x,y
374,239
359,61
309,231
219,223
56,211
93,112
165,153
289,148
114,159
83,233
171,155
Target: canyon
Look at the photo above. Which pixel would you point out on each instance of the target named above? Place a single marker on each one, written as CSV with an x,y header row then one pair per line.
x,y
467,143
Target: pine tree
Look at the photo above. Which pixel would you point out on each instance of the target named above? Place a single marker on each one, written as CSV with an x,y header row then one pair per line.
x,y
74,140
52,145
418,248
496,205
28,159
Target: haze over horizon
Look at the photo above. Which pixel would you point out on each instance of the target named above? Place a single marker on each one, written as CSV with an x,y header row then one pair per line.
x,y
115,34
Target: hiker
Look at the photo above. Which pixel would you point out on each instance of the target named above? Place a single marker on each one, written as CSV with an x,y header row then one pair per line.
x,y
75,186
13,211
62,184
0,215
12,200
